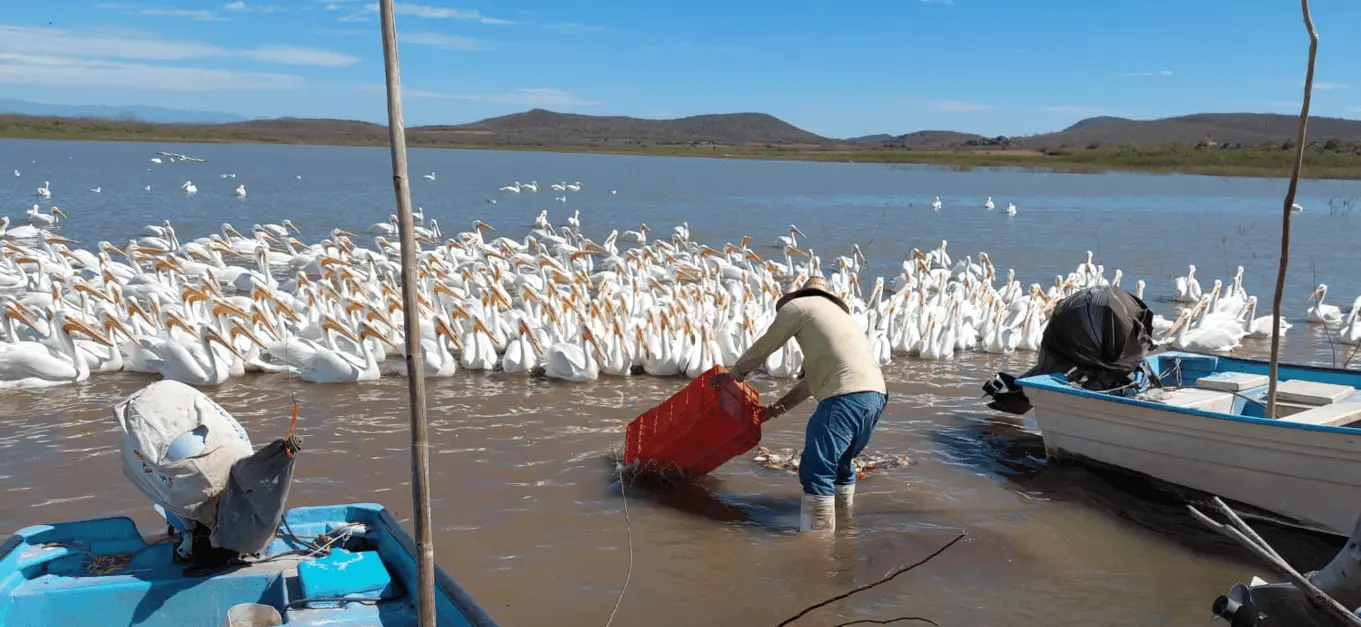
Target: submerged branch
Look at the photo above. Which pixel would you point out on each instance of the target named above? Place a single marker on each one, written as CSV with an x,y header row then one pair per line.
x,y
885,579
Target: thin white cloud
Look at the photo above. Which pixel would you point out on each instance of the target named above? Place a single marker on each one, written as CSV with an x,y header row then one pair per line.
x,y
525,97
241,7
94,45
438,13
1158,73
297,55
354,17
1164,72
938,1
574,27
201,15
58,71
440,40
956,106
1324,86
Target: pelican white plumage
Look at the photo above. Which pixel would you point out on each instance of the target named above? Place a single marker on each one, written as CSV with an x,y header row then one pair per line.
x,y
574,362
1011,208
1322,313
935,204
189,187
1186,289
45,364
988,204
241,190
45,191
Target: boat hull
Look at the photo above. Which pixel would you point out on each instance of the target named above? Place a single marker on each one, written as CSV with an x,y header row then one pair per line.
x,y
102,572
1308,474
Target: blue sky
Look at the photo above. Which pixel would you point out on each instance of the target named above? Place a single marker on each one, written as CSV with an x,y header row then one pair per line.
x,y
840,69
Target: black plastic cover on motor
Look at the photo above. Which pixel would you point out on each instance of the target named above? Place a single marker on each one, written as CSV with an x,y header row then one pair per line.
x,y
1099,336
252,504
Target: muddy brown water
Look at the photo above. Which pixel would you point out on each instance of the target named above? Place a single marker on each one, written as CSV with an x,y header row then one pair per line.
x,y
527,507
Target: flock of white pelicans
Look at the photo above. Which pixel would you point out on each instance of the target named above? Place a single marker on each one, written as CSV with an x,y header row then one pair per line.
x,y
553,303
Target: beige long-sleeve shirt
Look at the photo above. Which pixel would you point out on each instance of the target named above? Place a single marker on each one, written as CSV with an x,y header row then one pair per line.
x,y
836,354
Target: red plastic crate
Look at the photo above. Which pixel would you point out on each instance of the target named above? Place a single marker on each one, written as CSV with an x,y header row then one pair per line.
x,y
698,429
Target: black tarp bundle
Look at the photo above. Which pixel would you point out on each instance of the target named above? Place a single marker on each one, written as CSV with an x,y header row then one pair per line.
x,y
1098,336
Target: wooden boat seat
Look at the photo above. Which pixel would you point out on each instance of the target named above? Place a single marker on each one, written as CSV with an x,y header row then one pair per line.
x,y
1313,393
1332,415
1191,398
1231,381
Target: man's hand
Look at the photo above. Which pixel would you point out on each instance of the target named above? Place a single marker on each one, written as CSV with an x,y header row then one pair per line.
x,y
722,379
774,410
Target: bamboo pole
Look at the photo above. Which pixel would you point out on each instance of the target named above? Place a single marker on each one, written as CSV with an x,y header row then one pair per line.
x,y
420,438
1285,217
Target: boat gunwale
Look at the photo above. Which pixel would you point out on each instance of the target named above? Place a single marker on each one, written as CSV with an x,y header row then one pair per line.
x,y
1055,382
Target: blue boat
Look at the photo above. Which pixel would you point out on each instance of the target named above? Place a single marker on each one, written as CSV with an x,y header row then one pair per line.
x,y
1206,428
339,566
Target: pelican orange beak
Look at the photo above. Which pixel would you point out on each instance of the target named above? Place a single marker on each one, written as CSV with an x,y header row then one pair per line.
x,y
76,325
239,330
330,324
338,233
1313,295
192,294
14,312
211,335
260,319
57,239
173,320
111,322
289,224
366,330
478,224
223,308
82,286
59,212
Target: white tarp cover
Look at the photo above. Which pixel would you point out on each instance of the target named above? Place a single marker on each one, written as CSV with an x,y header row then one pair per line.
x,y
155,416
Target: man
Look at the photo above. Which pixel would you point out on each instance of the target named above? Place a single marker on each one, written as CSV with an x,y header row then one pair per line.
x,y
841,372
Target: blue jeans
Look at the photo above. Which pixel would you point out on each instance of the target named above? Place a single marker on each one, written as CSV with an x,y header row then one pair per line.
x,y
840,428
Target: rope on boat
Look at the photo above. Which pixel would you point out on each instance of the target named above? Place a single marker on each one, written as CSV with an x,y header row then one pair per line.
x,y
101,565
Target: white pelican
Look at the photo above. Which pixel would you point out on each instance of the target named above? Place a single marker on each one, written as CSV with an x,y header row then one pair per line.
x,y
522,354
935,204
45,191
189,187
1206,339
429,176
512,189
1186,289
95,189
1260,326
335,365
1011,208
574,362
1322,313
988,204
36,364
188,362
241,190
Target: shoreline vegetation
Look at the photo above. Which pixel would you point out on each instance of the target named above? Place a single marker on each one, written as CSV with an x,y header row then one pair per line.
x,y
1325,160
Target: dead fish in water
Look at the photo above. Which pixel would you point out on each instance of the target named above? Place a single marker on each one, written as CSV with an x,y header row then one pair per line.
x,y
788,460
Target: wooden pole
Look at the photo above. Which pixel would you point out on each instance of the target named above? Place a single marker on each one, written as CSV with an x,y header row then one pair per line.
x,y
1289,209
420,438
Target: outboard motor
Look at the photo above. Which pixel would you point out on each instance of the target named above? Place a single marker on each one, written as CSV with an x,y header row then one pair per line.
x,y
1099,337
195,462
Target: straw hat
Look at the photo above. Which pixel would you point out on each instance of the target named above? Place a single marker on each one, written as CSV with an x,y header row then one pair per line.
x,y
814,286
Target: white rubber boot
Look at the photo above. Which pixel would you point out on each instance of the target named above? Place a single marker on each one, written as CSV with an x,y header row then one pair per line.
x,y
845,498
817,513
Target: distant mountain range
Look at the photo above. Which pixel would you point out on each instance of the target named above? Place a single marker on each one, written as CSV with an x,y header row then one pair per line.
x,y
539,127
131,113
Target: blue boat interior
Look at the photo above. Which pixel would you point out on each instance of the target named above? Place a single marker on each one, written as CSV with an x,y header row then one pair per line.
x,y
338,566
1311,397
